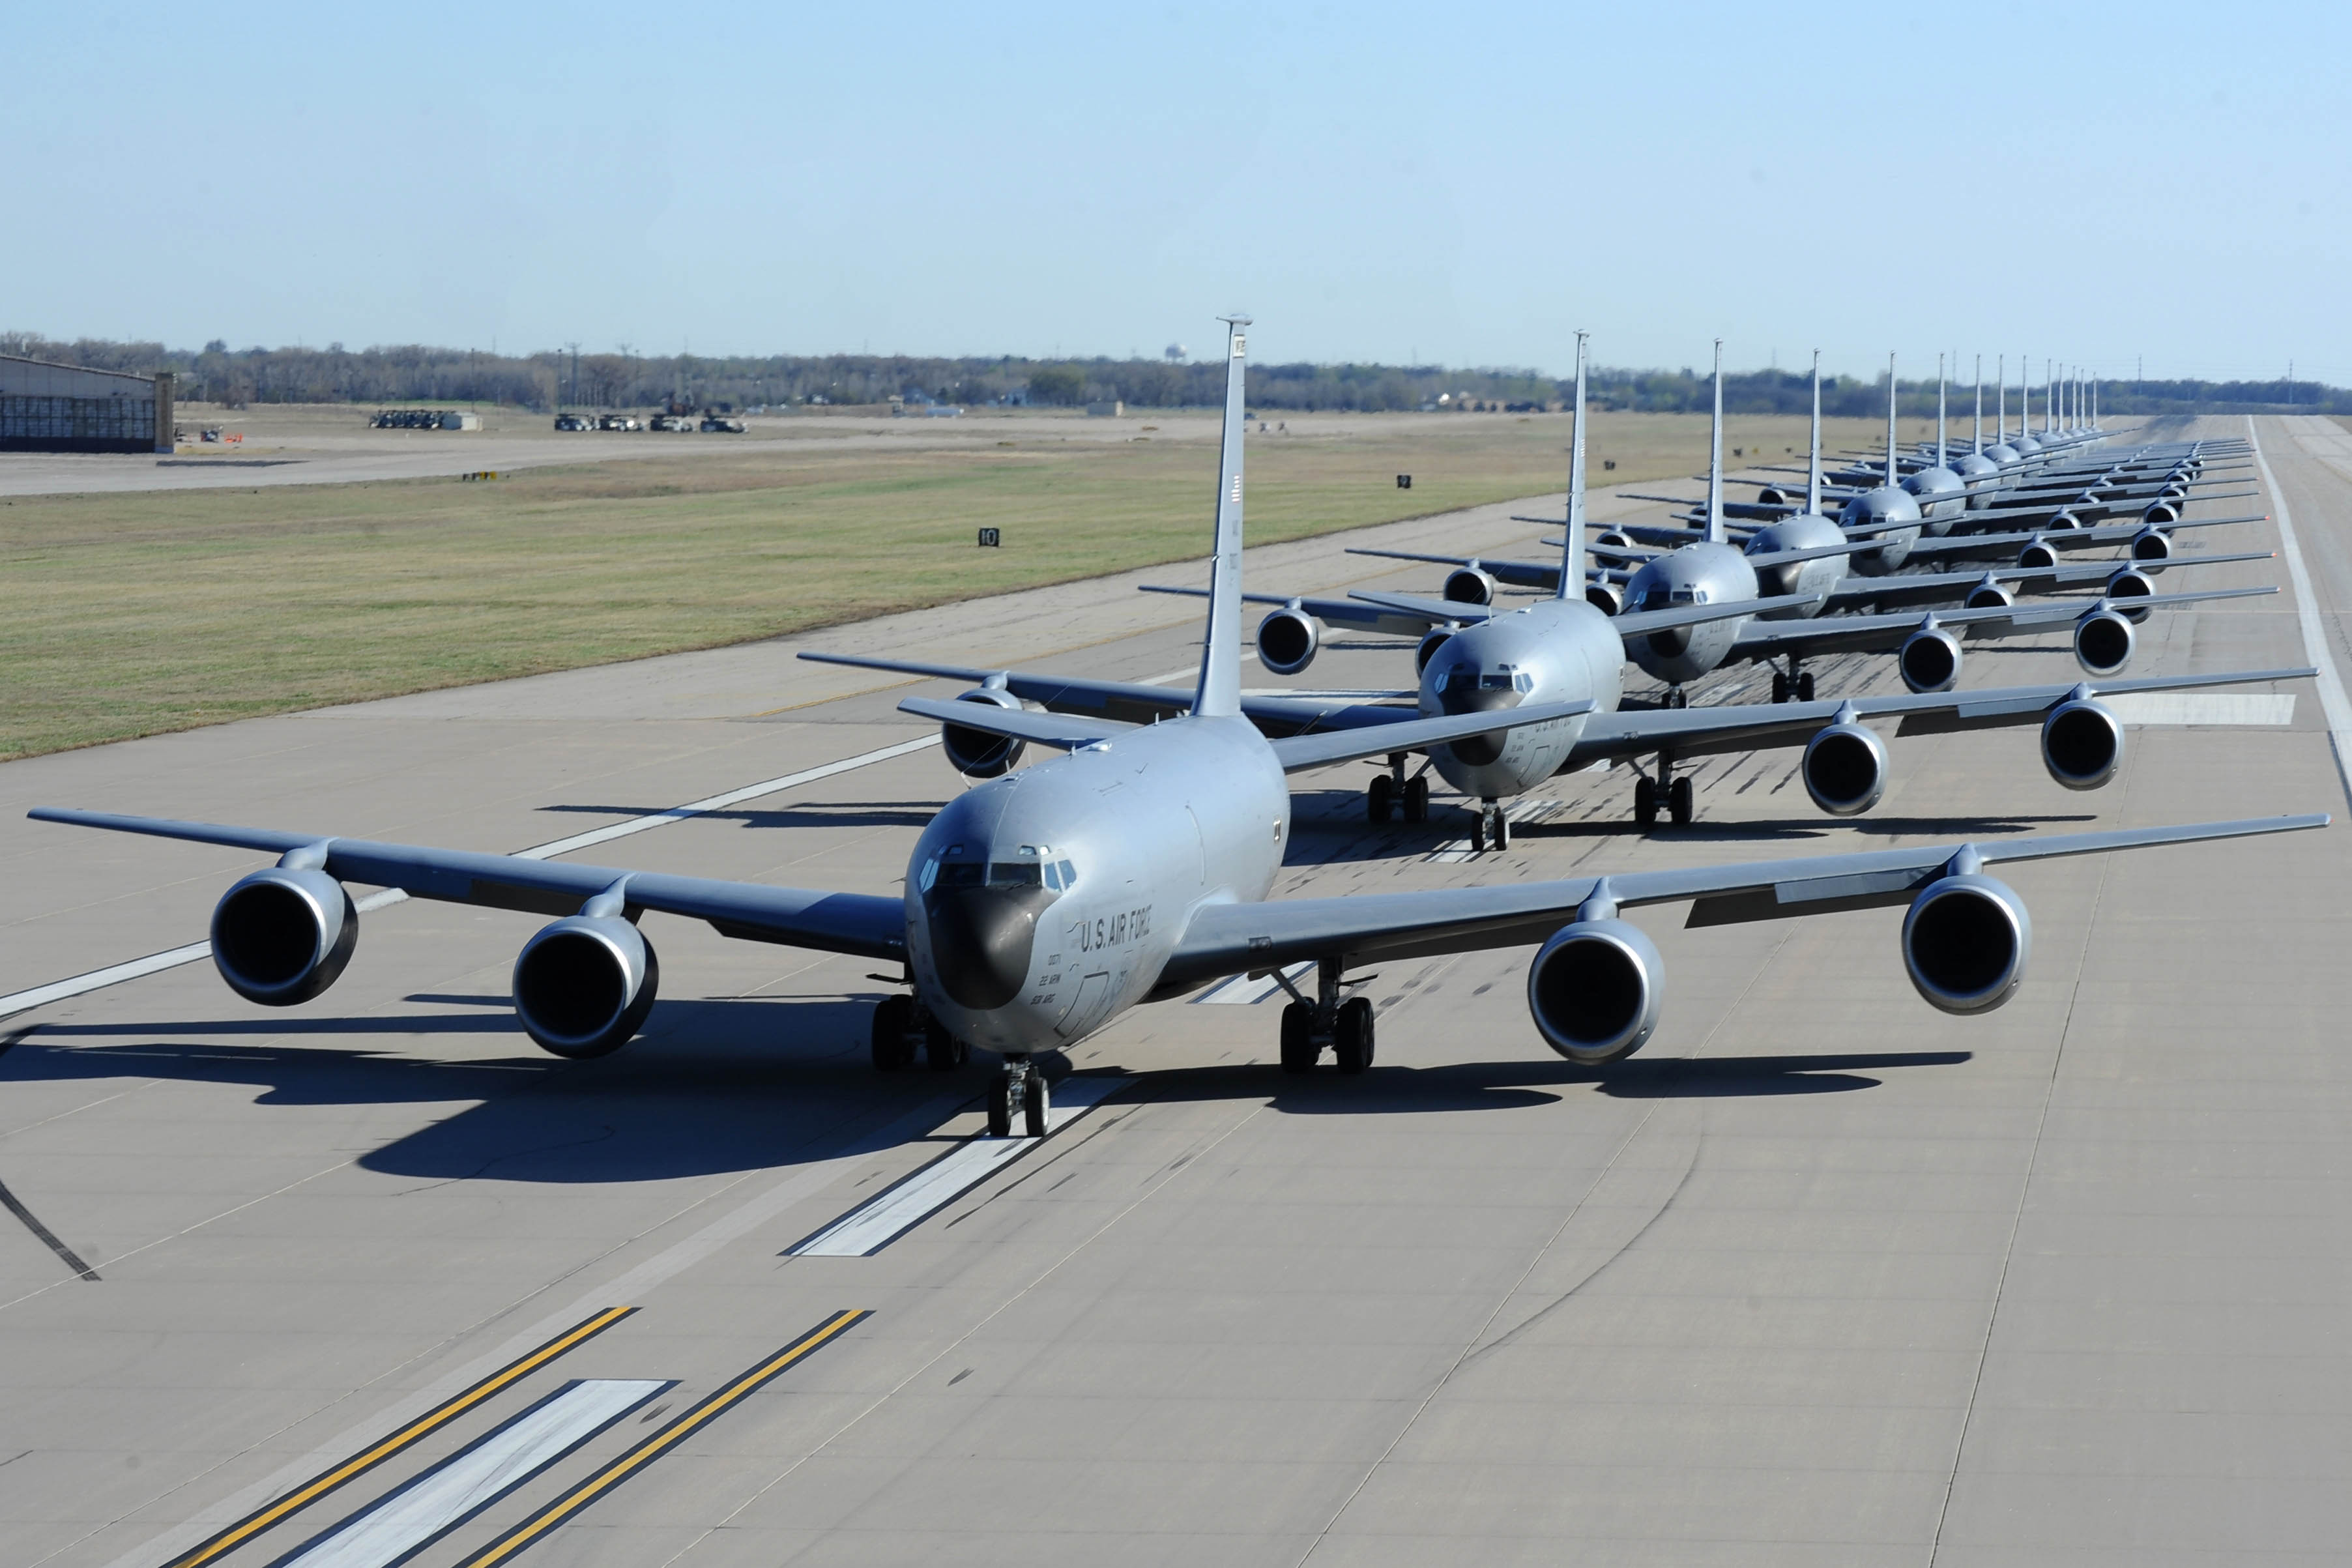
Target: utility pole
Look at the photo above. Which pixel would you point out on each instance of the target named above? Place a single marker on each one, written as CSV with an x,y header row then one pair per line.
x,y
575,370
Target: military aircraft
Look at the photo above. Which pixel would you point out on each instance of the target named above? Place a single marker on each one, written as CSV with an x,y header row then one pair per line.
x,y
1566,649
1038,907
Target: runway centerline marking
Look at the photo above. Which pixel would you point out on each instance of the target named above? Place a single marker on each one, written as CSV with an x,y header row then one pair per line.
x,y
906,1204
669,1437
2307,614
414,1516
285,1507
156,962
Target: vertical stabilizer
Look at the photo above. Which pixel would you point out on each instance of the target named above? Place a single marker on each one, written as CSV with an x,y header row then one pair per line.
x,y
1715,456
2024,395
1939,411
2000,402
1976,430
1813,461
1219,693
1891,469
1574,552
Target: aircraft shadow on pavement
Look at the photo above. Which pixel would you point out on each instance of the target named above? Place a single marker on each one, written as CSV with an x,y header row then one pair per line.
x,y
712,1087
1511,1085
807,813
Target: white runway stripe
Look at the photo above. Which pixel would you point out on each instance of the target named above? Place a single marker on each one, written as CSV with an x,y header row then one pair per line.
x,y
2202,707
2315,640
156,962
882,1220
475,1476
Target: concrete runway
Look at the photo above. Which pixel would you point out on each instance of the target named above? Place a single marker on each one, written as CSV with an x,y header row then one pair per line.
x,y
1821,1277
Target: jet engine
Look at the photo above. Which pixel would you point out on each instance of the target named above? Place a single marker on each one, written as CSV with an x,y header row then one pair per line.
x,y
583,985
1774,495
2161,515
1844,769
1614,539
2103,641
2127,583
2082,743
1594,990
2039,554
1434,638
976,753
1930,660
281,936
1964,942
1606,598
2151,547
1988,596
1470,586
2063,521
1287,640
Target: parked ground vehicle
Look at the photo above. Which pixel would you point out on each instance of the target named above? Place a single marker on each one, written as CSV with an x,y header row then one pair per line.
x,y
718,425
618,422
673,422
574,422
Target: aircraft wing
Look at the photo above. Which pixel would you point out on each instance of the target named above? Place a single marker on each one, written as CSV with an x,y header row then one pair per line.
x,y
1232,939
1517,574
1411,732
1964,545
861,923
1928,587
1357,616
1759,726
1854,634
1114,700
1632,622
1065,731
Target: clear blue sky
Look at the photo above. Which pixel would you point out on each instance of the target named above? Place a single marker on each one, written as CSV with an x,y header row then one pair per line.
x,y
1468,185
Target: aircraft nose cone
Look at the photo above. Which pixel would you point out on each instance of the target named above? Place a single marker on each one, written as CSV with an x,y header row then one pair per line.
x,y
981,940
1464,693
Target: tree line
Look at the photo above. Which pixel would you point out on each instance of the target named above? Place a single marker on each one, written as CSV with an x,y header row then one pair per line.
x,y
552,378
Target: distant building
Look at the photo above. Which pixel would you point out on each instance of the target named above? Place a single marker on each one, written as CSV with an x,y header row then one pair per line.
x,y
47,407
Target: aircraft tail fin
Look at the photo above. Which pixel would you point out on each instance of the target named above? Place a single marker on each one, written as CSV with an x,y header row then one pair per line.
x,y
1574,552
1715,534
1813,458
1939,411
1892,472
1219,693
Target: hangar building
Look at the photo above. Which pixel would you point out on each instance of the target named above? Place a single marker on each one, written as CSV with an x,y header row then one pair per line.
x,y
47,407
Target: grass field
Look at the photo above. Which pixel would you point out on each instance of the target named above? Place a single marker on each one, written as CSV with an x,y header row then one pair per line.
x,y
134,614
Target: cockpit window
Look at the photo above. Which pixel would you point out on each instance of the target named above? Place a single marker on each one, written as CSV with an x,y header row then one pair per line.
x,y
1015,873
961,874
1524,681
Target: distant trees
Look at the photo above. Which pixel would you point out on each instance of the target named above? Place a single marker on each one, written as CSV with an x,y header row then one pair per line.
x,y
417,373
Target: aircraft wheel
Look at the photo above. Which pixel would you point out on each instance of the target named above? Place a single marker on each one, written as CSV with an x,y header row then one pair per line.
x,y
1036,1105
1416,800
1000,1106
1645,802
1478,833
1779,687
1805,687
1352,1041
1678,800
1499,830
1378,797
1298,1048
942,1052
894,1028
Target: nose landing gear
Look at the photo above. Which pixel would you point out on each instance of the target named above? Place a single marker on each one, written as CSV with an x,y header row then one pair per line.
x,y
1674,794
1019,1092
1308,1027
1491,828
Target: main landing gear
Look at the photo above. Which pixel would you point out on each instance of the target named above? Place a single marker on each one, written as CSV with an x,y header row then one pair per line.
x,y
902,1029
1389,790
1019,1094
1491,828
1797,683
1308,1027
1676,697
1674,792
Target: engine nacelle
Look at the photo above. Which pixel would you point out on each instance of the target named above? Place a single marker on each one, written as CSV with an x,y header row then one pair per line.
x,y
2161,515
2151,547
282,936
2125,583
2103,641
1470,586
1431,641
1989,595
583,985
1594,990
1287,640
2039,554
1844,769
1614,539
1606,598
976,753
1966,938
2082,743
2063,522
1930,660
1774,495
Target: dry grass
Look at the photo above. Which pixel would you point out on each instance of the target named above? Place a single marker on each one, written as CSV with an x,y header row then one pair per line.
x,y
132,613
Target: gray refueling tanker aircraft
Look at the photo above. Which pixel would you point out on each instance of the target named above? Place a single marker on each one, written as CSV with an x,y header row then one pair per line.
x,y
1039,906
